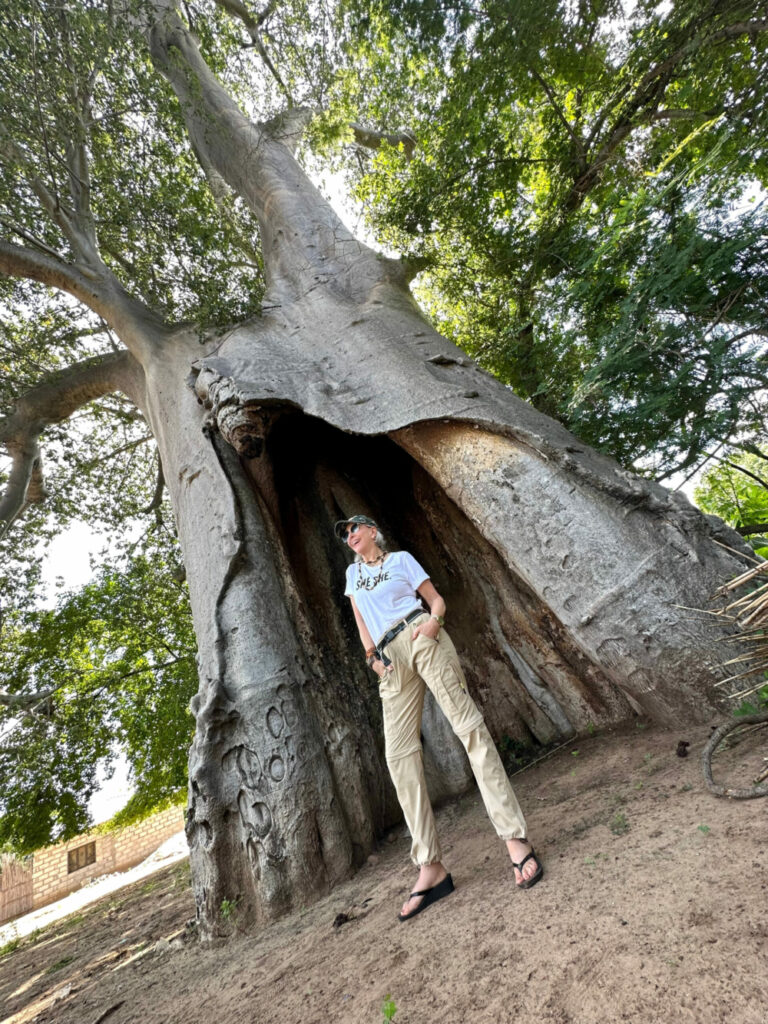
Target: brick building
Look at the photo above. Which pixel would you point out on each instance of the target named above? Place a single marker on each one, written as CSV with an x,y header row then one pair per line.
x,y
55,871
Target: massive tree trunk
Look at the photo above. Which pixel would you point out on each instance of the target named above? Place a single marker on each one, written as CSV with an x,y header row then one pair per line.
x,y
566,579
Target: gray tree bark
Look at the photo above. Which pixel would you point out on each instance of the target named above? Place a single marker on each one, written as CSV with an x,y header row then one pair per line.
x,y
567,580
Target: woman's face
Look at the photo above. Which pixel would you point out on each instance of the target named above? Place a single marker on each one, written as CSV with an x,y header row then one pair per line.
x,y
359,538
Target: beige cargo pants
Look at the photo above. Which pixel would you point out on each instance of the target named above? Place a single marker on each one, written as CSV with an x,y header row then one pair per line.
x,y
434,663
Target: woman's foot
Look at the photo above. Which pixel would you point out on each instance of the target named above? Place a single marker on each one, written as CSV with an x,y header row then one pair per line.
x,y
526,864
430,875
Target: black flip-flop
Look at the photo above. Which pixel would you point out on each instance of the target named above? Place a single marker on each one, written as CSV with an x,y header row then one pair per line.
x,y
430,896
528,882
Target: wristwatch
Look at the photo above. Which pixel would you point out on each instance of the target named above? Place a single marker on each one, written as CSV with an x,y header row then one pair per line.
x,y
440,619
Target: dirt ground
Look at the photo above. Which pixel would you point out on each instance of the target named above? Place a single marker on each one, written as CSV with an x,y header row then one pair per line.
x,y
653,908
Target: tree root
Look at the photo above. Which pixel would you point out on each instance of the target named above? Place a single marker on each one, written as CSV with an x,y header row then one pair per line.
x,y
712,745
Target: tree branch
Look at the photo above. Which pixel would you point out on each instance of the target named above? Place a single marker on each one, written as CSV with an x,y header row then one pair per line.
x,y
648,93
157,497
136,324
25,701
578,144
372,139
747,531
746,472
66,220
49,269
51,402
252,25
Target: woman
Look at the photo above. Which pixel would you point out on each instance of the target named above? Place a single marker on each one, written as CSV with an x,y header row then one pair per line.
x,y
411,651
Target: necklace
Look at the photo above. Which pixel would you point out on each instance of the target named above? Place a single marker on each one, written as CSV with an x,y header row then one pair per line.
x,y
379,558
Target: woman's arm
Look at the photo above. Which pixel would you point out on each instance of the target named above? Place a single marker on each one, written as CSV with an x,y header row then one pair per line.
x,y
365,636
436,604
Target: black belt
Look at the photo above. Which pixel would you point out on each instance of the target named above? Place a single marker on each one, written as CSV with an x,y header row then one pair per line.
x,y
392,633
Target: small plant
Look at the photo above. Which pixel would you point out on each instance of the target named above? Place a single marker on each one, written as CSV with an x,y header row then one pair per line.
x,y
59,964
591,728
704,829
228,907
388,1008
10,946
619,824
758,703
514,754
574,753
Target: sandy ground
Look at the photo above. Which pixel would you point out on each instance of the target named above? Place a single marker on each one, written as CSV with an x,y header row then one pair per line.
x,y
654,907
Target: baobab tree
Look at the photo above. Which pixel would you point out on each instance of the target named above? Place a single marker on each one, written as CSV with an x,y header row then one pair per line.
x,y
567,579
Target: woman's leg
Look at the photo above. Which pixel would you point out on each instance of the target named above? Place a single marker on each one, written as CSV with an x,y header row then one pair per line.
x,y
438,664
402,699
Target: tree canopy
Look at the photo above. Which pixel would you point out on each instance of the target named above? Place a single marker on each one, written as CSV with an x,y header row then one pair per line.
x,y
587,192
111,667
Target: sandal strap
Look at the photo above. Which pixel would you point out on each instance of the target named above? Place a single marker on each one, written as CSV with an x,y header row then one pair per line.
x,y
525,860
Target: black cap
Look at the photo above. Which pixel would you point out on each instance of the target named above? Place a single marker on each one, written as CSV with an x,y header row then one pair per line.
x,y
342,524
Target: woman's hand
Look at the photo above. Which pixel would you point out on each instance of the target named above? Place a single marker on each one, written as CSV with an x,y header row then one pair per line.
x,y
429,628
381,669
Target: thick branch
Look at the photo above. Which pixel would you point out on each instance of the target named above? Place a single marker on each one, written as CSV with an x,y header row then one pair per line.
x,y
372,139
304,240
25,701
751,528
137,326
48,269
51,402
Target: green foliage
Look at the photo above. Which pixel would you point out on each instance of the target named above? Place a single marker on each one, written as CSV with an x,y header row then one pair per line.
x,y
144,803
757,704
228,908
582,187
736,489
118,657
388,1008
619,825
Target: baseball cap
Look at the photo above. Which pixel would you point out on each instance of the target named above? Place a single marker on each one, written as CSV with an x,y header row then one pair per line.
x,y
342,524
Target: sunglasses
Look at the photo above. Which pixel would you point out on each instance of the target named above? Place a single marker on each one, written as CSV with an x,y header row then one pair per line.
x,y
350,530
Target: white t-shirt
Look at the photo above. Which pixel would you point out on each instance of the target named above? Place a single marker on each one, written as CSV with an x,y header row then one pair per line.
x,y
385,593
